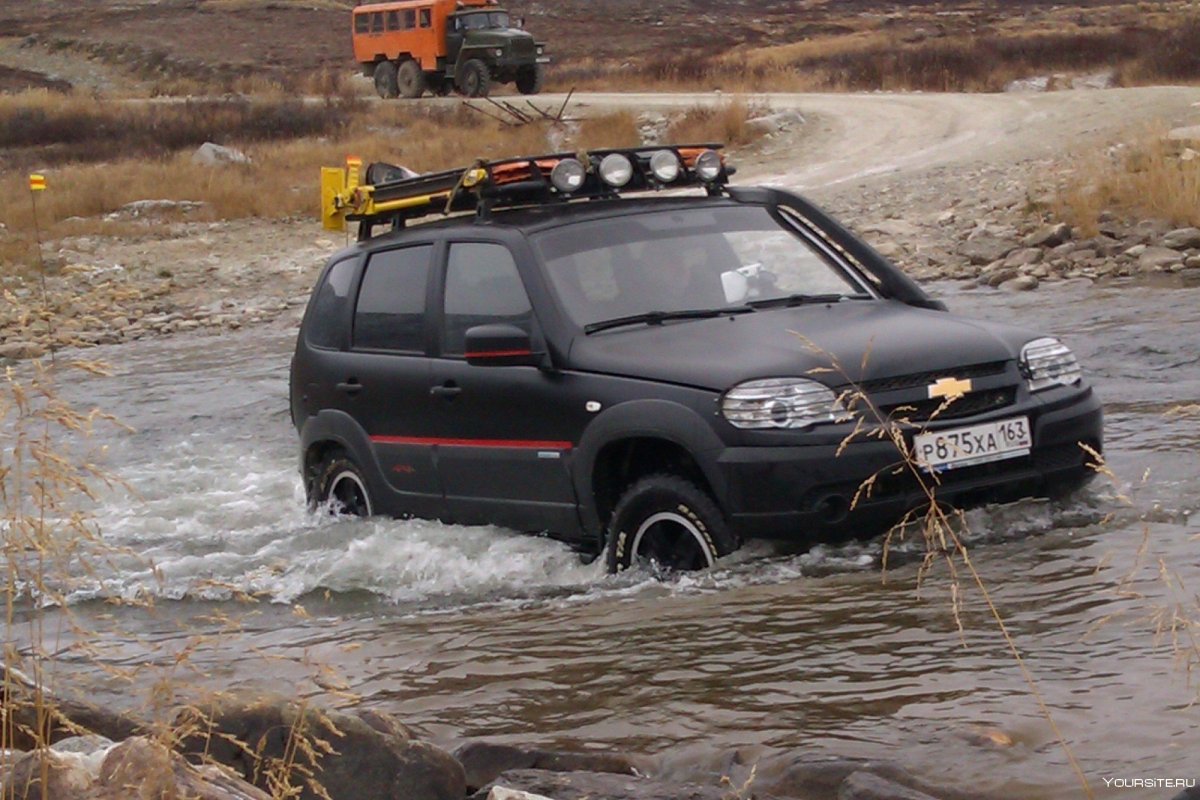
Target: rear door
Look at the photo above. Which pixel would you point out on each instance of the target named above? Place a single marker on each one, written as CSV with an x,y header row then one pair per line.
x,y
387,374
504,439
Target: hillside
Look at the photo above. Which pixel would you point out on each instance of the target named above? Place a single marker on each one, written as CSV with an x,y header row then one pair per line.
x,y
182,46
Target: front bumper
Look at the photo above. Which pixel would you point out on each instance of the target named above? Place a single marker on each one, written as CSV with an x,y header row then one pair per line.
x,y
814,493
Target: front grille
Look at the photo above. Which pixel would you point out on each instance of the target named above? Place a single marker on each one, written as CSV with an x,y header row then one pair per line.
x,y
523,47
966,406
922,379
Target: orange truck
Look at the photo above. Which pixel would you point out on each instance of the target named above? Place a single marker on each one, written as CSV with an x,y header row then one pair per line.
x,y
409,46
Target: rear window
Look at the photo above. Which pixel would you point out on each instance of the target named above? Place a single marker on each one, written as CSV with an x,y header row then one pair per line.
x,y
325,323
391,303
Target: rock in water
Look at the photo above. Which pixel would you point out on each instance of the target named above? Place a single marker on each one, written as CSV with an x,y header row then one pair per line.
x,y
484,762
350,757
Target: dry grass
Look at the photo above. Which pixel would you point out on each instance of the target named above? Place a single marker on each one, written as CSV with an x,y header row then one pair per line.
x,y
617,129
726,123
1152,177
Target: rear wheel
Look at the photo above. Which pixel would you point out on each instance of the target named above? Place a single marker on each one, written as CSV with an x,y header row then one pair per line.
x,y
411,80
339,483
385,80
475,79
529,79
666,523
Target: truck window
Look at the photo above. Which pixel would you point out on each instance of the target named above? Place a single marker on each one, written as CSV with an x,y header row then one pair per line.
x,y
410,18
377,22
393,20
362,23
425,18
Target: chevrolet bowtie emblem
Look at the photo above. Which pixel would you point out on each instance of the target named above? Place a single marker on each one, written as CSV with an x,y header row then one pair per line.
x,y
949,387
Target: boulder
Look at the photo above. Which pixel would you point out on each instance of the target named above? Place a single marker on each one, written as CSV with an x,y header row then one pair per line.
x,y
349,756
984,249
1048,236
211,154
1023,257
1182,238
774,123
20,350
1021,283
484,762
137,767
500,793
601,786
69,717
1189,134
869,786
1159,259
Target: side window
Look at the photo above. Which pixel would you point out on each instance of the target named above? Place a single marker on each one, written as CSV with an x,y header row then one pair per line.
x,y
391,303
325,323
362,23
393,20
377,22
482,287
410,18
425,18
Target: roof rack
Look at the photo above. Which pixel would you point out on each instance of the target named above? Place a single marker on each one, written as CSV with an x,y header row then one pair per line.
x,y
393,195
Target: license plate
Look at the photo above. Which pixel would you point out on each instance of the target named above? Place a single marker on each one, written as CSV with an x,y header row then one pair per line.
x,y
978,444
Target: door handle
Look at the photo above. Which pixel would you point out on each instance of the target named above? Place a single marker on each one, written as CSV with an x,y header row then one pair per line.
x,y
351,386
448,390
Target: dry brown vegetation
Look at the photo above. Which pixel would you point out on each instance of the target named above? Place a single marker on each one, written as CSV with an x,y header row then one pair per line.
x,y
1152,177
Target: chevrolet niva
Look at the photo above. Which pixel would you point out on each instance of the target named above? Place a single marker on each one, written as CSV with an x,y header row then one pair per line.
x,y
655,378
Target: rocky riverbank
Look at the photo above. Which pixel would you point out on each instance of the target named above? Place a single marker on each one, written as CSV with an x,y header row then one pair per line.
x,y
253,748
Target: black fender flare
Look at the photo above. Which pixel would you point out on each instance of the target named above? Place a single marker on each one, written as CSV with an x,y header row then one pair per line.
x,y
339,428
654,419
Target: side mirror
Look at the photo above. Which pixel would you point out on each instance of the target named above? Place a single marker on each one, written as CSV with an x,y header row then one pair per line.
x,y
500,345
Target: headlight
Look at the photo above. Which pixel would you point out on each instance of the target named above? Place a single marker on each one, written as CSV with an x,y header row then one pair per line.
x,y
498,52
567,175
616,170
781,403
664,165
708,165
541,50
1048,362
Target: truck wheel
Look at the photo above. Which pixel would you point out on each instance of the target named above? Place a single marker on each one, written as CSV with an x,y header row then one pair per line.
x,y
339,482
665,522
385,80
411,80
529,79
475,79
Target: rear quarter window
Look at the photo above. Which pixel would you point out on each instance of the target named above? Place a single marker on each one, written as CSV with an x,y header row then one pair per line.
x,y
325,322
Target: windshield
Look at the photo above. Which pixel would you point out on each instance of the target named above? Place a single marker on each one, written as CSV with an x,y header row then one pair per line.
x,y
690,259
482,21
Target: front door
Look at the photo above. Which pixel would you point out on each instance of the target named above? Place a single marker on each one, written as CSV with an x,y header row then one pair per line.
x,y
504,448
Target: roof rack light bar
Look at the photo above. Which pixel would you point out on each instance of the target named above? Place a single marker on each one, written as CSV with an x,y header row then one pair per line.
x,y
525,181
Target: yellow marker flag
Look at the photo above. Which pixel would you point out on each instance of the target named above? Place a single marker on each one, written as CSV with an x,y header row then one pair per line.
x,y
37,183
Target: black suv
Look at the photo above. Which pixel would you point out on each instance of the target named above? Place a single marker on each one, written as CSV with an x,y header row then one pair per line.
x,y
656,377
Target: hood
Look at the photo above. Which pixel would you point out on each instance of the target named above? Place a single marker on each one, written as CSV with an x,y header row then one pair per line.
x,y
798,342
496,37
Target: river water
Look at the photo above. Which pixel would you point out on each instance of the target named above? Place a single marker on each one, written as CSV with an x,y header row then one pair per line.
x,y
480,632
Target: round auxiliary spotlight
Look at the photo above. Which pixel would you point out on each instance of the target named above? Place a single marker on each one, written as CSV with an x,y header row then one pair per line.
x,y
567,175
708,166
616,170
664,165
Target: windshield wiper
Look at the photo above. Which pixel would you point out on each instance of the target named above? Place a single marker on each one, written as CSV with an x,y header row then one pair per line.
x,y
789,300
659,317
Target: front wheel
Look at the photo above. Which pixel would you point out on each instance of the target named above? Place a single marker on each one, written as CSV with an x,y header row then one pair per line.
x,y
529,79
475,79
339,484
667,523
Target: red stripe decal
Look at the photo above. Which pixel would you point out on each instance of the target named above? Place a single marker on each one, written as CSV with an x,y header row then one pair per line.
x,y
516,444
499,353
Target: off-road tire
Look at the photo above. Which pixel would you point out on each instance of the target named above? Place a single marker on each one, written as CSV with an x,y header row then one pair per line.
x,y
475,78
411,80
666,522
529,79
339,483
385,80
